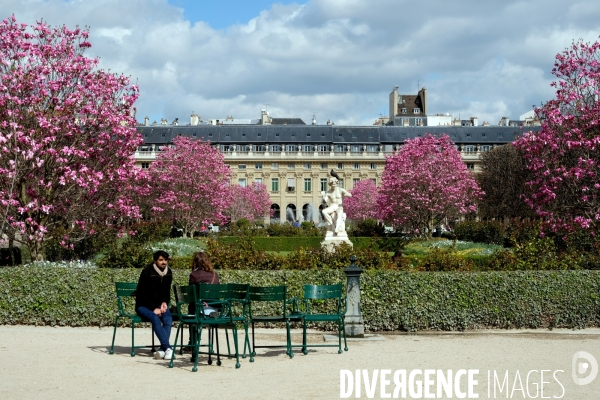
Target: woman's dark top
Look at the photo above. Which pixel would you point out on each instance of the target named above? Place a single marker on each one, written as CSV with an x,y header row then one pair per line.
x,y
202,276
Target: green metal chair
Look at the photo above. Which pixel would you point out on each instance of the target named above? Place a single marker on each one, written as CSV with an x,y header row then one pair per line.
x,y
126,294
333,293
240,293
273,294
186,295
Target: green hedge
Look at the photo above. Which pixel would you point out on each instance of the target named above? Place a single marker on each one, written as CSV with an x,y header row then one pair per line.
x,y
391,300
285,243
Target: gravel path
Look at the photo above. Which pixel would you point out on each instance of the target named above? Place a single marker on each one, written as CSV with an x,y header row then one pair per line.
x,y
69,363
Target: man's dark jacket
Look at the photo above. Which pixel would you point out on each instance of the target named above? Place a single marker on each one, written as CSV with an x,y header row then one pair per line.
x,y
152,289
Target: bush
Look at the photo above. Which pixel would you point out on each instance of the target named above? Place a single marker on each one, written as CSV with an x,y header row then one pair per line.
x,y
130,254
368,227
390,300
490,232
10,257
445,260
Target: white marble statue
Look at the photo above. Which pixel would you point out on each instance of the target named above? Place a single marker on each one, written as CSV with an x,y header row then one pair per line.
x,y
334,212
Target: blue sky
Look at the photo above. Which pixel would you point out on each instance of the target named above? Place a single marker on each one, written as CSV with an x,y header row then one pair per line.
x,y
337,58
220,14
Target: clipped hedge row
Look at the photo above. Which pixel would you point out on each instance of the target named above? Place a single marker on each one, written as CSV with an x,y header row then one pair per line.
x,y
391,300
285,243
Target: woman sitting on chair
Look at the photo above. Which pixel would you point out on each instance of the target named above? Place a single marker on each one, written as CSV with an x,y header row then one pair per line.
x,y
202,270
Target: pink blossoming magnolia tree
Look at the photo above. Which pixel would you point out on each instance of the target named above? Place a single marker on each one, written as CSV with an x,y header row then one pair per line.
x,y
250,202
190,183
67,137
564,157
424,183
363,203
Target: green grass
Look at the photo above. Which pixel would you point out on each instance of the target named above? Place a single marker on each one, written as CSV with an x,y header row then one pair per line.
x,y
422,248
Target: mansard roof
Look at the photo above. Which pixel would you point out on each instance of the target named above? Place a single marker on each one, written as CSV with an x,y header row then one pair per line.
x,y
298,134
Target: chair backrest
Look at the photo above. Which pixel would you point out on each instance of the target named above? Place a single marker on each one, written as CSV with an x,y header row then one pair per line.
x,y
123,290
269,294
323,292
212,291
239,291
185,295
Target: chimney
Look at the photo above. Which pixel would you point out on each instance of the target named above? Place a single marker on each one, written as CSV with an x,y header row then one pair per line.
x,y
146,121
264,117
163,121
314,120
194,119
176,121
474,121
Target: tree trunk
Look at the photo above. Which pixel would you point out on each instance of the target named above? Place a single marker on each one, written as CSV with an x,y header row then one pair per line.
x,y
36,250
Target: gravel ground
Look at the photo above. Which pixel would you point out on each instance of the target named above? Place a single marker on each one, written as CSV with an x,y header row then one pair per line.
x,y
69,363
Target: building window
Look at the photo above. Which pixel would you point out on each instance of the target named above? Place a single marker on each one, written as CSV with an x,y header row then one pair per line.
x,y
241,166
275,165
308,147
308,135
469,149
210,135
340,166
486,147
341,183
145,165
258,180
307,165
356,148
194,134
355,182
291,185
258,165
162,135
323,148
339,148
274,184
323,184
374,181
242,182
291,166
275,147
416,110
291,147
470,166
404,111
356,166
418,121
259,134
307,184
276,134
372,166
372,148
323,165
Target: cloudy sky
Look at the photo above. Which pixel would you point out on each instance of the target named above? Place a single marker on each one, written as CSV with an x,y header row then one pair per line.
x,y
338,59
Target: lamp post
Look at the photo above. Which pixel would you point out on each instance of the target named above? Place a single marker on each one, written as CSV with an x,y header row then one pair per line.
x,y
355,326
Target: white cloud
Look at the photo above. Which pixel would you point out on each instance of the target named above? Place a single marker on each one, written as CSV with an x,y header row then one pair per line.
x,y
336,58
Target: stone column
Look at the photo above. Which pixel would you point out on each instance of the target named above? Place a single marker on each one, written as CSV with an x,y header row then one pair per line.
x,y
355,326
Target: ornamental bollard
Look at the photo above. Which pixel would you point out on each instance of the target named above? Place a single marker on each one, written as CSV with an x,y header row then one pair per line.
x,y
355,326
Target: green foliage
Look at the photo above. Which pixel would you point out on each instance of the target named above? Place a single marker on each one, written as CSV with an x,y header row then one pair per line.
x,y
151,231
129,254
440,259
368,227
390,300
84,249
537,254
491,232
10,256
307,225
287,243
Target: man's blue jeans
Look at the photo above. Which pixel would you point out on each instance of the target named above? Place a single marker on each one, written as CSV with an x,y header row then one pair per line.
x,y
162,325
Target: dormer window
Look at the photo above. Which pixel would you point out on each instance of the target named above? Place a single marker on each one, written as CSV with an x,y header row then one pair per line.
x,y
404,111
416,110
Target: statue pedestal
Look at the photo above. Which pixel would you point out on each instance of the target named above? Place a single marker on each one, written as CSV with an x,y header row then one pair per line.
x,y
331,241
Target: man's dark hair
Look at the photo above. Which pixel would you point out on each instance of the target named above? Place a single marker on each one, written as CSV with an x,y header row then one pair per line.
x,y
161,253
